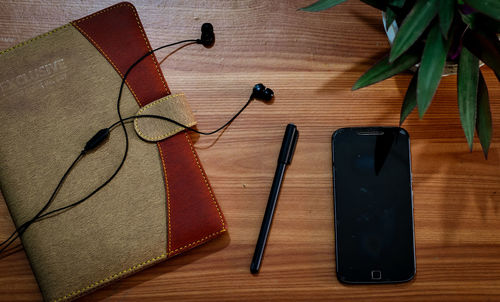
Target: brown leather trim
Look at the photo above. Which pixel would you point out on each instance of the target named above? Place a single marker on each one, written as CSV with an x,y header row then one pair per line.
x,y
190,222
116,32
194,214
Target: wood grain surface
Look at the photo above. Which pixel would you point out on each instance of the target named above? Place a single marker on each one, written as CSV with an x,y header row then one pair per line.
x,y
310,60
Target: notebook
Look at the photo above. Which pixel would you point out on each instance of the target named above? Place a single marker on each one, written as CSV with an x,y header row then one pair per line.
x,y
56,91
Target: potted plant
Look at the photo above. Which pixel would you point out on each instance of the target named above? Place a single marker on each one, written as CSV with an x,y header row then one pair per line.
x,y
430,34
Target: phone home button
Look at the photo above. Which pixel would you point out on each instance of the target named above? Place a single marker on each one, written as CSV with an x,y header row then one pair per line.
x,y
376,275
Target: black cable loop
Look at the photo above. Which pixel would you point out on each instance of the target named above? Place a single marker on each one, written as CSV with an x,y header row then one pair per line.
x,y
20,231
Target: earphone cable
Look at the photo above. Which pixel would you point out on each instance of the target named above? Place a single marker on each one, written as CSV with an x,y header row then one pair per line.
x,y
6,243
148,116
184,126
20,231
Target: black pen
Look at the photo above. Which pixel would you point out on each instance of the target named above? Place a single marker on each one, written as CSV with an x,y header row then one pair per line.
x,y
285,157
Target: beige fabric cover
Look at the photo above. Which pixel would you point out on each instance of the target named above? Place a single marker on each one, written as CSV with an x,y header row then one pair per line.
x,y
56,92
172,106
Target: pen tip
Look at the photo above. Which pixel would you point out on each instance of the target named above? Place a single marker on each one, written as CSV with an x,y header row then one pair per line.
x,y
254,269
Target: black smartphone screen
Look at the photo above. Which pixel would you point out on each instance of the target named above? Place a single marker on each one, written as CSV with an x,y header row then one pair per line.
x,y
373,205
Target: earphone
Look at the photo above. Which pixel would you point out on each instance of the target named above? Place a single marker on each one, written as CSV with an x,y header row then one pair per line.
x,y
261,92
207,35
207,39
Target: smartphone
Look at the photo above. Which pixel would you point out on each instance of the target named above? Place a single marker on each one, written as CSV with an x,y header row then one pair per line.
x,y
373,204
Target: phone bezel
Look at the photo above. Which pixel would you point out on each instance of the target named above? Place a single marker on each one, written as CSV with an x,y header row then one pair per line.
x,y
338,273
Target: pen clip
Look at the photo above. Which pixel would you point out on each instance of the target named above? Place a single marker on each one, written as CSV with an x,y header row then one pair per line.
x,y
288,146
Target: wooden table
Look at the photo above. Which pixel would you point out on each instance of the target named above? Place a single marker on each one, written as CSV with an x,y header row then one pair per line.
x,y
310,60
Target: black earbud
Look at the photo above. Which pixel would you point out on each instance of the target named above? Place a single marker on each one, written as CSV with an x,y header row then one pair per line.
x,y
262,93
207,35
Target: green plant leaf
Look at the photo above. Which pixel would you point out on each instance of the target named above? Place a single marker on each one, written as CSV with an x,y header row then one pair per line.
x,y
321,5
378,4
446,13
469,19
389,17
397,3
410,101
383,69
483,124
431,68
485,46
413,26
467,79
487,7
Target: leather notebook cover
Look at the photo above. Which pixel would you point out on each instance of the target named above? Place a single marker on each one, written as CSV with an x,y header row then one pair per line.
x,y
56,91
